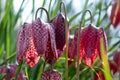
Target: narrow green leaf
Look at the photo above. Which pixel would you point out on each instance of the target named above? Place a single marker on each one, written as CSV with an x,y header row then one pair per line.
x,y
56,8
105,61
2,76
18,70
114,46
1,50
72,29
74,17
8,39
43,4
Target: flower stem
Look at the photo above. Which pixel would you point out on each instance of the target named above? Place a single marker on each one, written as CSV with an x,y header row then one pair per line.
x,y
18,70
78,45
45,11
66,31
78,51
119,74
44,66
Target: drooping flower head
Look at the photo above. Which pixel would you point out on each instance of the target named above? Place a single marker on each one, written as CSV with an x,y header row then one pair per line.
x,y
116,59
115,65
89,43
72,51
51,54
51,75
59,27
33,42
115,13
10,71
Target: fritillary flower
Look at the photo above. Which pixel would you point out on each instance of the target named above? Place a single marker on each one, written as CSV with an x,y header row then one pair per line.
x,y
10,71
51,75
99,76
115,65
59,27
35,40
115,13
89,43
51,54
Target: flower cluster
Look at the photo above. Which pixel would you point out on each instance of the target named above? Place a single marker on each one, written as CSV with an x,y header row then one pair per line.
x,y
38,39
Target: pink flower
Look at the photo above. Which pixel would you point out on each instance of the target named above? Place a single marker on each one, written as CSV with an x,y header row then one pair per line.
x,y
115,65
10,71
51,54
115,13
116,59
59,27
51,75
89,43
35,40
99,76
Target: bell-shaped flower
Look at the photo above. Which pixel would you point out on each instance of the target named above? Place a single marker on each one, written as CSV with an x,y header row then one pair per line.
x,y
51,75
59,27
33,41
89,43
115,64
51,54
115,13
10,71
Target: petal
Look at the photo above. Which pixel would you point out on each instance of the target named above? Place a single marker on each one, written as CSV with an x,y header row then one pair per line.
x,y
51,75
31,54
99,76
10,70
51,52
89,39
39,33
101,34
59,26
115,17
21,43
90,60
72,51
113,67
116,59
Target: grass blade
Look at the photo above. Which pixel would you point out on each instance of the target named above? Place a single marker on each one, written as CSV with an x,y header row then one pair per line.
x,y
105,61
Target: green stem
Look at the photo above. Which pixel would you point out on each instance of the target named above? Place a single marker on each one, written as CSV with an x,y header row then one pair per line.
x,y
18,70
119,74
66,31
44,66
45,11
78,45
78,51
